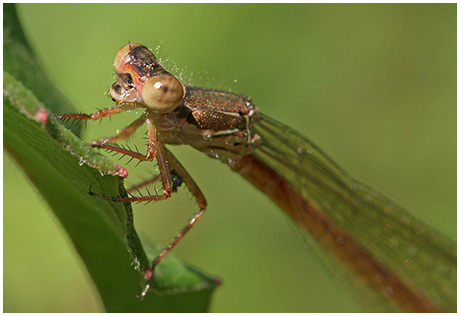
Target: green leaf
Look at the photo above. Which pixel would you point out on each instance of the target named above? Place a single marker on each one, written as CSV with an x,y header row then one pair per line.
x,y
62,167
19,60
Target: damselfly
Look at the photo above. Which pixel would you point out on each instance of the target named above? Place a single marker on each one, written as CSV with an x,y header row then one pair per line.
x,y
390,259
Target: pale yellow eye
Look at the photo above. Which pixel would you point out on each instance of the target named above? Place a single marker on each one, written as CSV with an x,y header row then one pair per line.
x,y
120,56
162,93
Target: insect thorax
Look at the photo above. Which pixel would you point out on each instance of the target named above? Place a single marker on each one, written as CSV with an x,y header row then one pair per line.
x,y
215,122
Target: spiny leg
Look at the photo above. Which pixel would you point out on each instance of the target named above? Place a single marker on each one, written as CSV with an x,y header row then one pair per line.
x,y
151,144
187,179
144,183
126,132
200,199
117,108
163,156
175,178
154,149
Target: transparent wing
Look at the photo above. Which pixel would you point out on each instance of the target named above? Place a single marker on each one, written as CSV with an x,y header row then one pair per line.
x,y
416,254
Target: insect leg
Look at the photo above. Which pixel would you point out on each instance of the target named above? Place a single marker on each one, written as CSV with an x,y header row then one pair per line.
x,y
186,178
175,179
117,108
151,141
144,183
154,148
123,133
200,199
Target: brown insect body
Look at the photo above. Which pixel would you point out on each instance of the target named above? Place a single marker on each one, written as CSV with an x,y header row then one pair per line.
x,y
214,127
316,193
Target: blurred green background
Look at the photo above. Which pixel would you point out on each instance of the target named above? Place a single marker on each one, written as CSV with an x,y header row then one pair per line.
x,y
373,85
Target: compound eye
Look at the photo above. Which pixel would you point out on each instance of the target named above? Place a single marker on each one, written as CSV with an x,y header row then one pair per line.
x,y
162,93
120,56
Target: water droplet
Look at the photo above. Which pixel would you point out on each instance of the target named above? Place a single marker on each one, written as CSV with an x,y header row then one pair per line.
x,y
388,292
